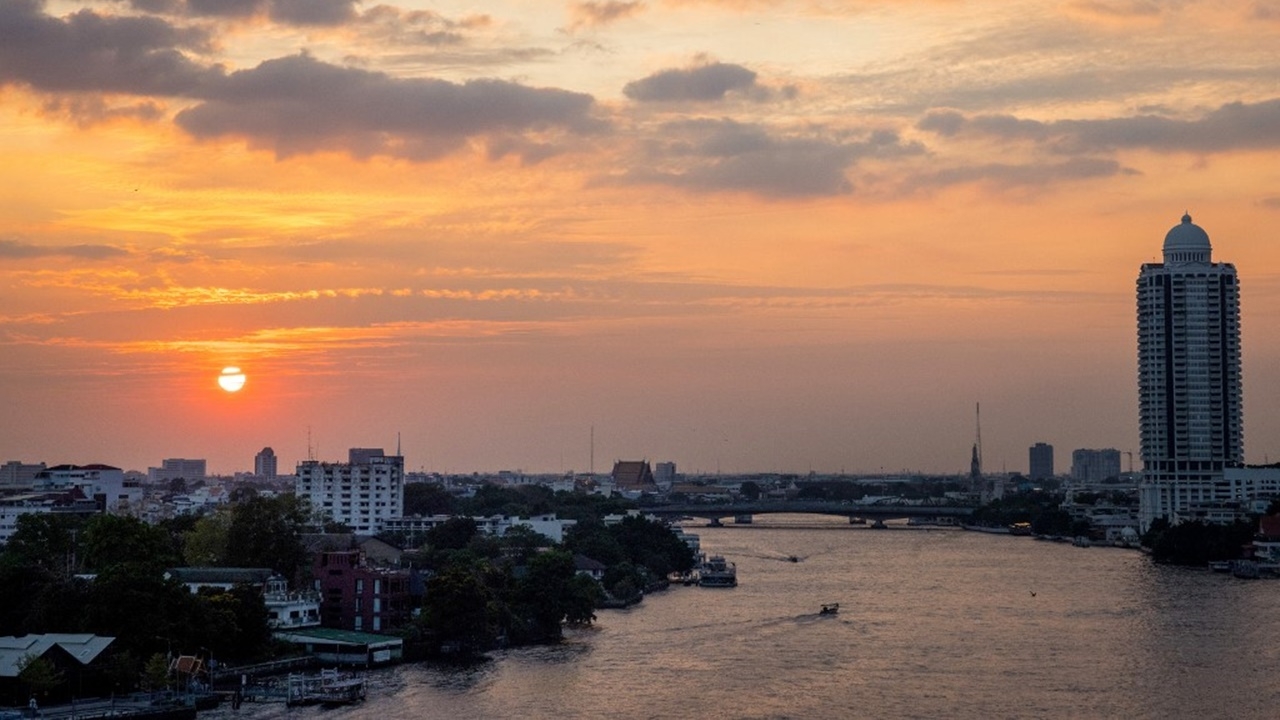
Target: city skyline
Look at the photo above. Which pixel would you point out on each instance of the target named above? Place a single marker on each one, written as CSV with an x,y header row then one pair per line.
x,y
741,236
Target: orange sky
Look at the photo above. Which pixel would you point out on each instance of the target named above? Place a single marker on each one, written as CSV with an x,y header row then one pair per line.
x,y
752,235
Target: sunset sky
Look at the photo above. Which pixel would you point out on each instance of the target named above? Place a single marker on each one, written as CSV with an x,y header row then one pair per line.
x,y
740,235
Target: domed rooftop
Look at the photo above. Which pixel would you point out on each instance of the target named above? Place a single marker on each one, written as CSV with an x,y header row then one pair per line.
x,y
1187,242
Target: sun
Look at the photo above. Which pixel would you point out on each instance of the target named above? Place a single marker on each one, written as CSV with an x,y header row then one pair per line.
x,y
231,379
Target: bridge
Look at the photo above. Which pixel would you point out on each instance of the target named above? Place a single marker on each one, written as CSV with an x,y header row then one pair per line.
x,y
876,512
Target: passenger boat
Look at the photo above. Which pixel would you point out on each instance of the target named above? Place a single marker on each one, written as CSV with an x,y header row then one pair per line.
x,y
329,688
830,609
717,572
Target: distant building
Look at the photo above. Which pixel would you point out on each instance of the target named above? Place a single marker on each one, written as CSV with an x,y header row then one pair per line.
x,y
103,484
664,474
1095,466
1189,380
633,476
1040,461
177,469
264,463
361,495
20,474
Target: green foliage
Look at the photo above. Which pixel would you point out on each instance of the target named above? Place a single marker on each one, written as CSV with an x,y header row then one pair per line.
x,y
457,610
111,541
522,501
39,674
266,532
427,499
1196,543
45,540
205,544
453,534
155,674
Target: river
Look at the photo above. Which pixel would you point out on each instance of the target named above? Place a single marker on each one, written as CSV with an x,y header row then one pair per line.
x,y
933,624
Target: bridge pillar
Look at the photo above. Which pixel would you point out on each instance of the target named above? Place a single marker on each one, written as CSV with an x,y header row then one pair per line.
x,y
878,525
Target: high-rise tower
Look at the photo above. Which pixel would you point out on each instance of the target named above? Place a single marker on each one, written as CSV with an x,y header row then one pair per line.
x,y
1189,388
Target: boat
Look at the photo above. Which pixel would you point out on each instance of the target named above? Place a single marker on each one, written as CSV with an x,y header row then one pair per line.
x,y
330,688
717,572
830,609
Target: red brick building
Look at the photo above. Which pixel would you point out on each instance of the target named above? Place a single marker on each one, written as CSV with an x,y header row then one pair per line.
x,y
356,596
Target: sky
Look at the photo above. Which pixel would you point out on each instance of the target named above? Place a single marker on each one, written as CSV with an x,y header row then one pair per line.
x,y
544,235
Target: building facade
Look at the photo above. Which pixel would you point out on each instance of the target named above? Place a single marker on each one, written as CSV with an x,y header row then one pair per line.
x,y
177,468
1095,466
1040,461
355,596
361,495
264,464
1189,383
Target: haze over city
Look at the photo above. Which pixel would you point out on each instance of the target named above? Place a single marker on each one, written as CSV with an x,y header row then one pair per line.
x,y
756,235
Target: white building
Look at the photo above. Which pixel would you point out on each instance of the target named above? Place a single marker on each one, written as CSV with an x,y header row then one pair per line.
x,y
103,483
361,495
1189,385
177,468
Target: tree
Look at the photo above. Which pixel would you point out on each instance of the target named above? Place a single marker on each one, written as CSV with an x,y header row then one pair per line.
x,y
205,544
422,498
46,540
456,610
112,540
267,532
548,595
39,674
750,490
452,534
155,674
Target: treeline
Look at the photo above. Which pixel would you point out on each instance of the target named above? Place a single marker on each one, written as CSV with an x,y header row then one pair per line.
x,y
1196,543
522,588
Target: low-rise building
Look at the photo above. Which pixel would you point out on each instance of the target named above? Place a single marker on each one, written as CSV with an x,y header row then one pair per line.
x,y
356,596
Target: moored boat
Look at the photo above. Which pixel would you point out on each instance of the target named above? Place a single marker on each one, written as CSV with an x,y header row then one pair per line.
x,y
830,609
717,572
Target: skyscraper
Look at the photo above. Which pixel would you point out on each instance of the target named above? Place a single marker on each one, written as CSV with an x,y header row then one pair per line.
x,y
264,463
1040,461
1189,388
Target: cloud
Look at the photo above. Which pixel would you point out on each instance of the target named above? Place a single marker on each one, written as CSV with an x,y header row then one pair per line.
x,y
287,12
16,250
595,14
704,83
298,104
90,52
724,155
1234,126
1009,175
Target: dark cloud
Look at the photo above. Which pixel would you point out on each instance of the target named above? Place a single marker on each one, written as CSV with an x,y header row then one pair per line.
x,y
287,12
313,12
1234,126
723,155
90,52
1008,175
16,250
298,104
706,83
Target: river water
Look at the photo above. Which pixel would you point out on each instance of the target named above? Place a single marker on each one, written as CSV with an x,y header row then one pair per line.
x,y
933,624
